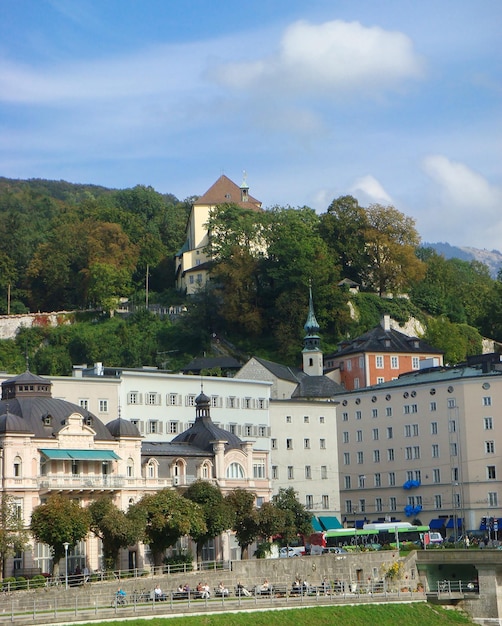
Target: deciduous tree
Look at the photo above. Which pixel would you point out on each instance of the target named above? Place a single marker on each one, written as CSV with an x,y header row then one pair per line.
x,y
58,521
13,535
114,527
166,516
245,522
216,511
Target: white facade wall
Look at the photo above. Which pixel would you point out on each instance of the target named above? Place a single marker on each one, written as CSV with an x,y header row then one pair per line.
x,y
163,404
304,453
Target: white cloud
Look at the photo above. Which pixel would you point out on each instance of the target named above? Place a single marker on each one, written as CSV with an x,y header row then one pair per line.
x,y
460,185
333,57
466,206
369,191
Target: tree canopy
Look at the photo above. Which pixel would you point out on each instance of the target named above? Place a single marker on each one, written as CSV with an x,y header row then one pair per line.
x,y
59,521
165,516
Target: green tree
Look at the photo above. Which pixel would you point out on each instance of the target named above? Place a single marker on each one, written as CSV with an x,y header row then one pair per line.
x,y
216,510
114,527
58,521
13,535
343,229
457,340
391,242
245,523
271,521
166,516
298,521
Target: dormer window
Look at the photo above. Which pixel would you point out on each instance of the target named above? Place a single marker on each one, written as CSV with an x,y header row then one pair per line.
x,y
88,421
47,419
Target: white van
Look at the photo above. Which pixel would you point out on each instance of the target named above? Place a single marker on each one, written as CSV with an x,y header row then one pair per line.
x,y
435,538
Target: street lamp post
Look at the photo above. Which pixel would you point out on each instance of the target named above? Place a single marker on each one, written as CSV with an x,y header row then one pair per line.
x,y
66,546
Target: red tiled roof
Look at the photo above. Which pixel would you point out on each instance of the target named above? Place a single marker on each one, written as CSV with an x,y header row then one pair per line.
x,y
226,191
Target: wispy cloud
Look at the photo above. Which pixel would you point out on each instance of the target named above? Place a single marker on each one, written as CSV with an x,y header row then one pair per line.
x,y
369,190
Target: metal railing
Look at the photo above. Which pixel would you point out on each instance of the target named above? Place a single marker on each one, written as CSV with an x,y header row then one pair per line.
x,y
450,587
97,603
77,580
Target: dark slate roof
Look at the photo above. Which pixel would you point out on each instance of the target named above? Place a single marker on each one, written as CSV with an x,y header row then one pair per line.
x,y
203,432
202,363
123,428
317,387
282,371
32,406
380,340
13,424
307,386
226,191
169,448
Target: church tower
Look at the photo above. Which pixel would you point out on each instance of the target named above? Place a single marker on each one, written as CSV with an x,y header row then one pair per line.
x,y
312,354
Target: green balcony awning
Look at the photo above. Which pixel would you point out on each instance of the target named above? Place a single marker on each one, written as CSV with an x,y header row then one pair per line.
x,y
330,523
80,455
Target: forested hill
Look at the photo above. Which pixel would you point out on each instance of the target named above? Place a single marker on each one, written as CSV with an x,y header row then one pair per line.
x,y
63,242
82,247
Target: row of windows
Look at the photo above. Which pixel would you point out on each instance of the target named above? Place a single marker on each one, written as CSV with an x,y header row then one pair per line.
x,y
451,403
414,501
176,399
407,410
413,430
102,405
173,427
410,453
306,419
233,471
306,444
307,471
309,502
416,475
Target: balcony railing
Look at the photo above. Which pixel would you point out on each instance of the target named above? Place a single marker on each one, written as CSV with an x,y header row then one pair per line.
x,y
82,482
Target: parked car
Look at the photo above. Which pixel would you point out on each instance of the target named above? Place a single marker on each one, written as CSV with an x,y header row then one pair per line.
x,y
291,551
435,538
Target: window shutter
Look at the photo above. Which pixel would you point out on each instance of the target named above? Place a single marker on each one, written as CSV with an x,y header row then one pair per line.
x,y
142,427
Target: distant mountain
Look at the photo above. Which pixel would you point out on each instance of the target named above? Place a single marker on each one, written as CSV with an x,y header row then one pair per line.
x,y
491,258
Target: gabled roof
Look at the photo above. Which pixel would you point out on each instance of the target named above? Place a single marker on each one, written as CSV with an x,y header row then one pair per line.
x,y
307,386
225,191
380,340
291,374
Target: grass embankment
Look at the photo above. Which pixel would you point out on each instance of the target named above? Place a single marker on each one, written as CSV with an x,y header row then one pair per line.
x,y
419,614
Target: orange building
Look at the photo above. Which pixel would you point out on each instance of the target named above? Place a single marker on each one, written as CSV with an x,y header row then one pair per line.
x,y
378,356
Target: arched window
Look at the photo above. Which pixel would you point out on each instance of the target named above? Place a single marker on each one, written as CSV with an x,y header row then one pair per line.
x,y
151,469
205,471
18,467
130,468
235,470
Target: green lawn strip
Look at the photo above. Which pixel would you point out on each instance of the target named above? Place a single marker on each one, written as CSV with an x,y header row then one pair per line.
x,y
419,614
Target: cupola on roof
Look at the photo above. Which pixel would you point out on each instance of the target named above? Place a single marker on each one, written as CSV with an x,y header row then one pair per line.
x,y
204,433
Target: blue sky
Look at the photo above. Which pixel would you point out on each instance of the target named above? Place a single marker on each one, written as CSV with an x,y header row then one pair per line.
x,y
396,102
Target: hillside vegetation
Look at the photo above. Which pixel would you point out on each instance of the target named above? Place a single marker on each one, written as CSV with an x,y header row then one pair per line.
x,y
82,247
